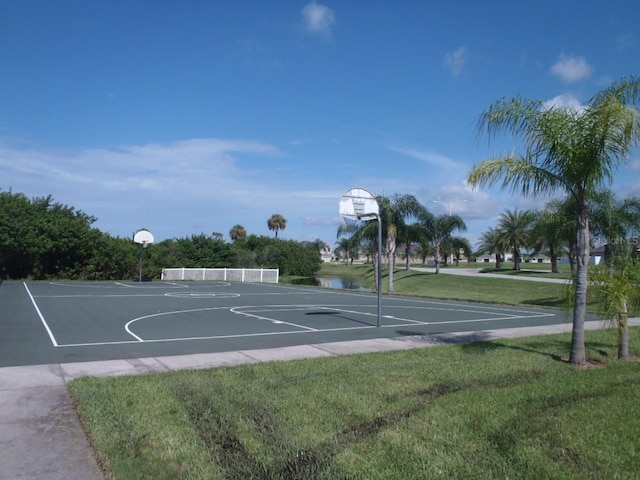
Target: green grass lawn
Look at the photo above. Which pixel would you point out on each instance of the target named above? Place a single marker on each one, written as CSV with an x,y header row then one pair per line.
x,y
501,409
454,287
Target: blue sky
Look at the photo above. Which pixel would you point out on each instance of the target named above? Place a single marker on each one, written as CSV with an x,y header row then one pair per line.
x,y
189,117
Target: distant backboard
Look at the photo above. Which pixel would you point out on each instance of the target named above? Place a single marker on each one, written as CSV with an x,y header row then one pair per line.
x,y
143,237
358,204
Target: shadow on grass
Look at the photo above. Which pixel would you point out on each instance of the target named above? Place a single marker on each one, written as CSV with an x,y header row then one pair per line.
x,y
549,302
445,338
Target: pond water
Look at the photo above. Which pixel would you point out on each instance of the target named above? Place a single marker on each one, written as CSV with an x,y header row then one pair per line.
x,y
345,283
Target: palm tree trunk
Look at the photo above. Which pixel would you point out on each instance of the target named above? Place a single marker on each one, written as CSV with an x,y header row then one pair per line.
x,y
554,260
608,258
391,256
498,260
573,258
623,332
407,251
437,258
578,352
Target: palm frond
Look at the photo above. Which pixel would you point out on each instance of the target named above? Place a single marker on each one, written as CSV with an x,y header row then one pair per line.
x,y
517,174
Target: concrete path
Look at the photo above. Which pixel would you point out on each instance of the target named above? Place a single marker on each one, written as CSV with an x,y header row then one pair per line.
x,y
474,272
41,436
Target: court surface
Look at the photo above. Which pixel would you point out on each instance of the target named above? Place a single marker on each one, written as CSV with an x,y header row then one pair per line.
x,y
60,322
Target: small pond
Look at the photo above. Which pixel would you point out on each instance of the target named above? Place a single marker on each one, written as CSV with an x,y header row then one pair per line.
x,y
345,283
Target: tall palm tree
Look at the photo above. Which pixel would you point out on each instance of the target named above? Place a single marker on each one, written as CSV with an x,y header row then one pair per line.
x,y
459,246
348,248
513,228
394,213
365,235
570,150
237,232
551,232
440,229
411,234
492,242
277,222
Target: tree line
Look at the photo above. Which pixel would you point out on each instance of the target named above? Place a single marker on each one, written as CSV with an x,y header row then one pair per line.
x,y
43,239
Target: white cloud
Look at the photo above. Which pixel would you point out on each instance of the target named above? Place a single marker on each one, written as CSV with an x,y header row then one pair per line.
x,y
566,100
626,42
318,19
428,157
571,68
455,61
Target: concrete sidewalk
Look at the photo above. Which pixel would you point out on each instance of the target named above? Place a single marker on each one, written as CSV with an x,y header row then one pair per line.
x,y
474,272
42,438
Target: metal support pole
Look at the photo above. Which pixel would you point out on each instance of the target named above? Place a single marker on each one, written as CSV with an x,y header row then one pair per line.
x,y
379,269
140,265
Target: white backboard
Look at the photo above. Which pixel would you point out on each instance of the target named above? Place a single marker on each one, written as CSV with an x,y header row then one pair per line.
x,y
143,237
358,204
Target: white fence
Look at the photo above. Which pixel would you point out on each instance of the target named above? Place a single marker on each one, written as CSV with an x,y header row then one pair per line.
x,y
256,275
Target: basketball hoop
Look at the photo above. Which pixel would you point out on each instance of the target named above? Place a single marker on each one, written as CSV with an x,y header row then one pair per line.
x,y
360,204
143,238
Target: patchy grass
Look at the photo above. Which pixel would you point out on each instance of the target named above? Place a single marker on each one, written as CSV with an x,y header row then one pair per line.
x,y
501,409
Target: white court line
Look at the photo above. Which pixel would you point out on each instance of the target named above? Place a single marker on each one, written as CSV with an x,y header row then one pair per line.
x,y
272,320
446,306
44,322
266,334
214,337
126,327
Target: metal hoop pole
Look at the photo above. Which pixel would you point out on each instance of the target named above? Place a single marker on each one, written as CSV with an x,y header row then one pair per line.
x,y
379,269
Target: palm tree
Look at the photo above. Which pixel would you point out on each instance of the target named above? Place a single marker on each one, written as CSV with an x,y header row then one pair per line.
x,y
348,248
365,235
277,222
616,287
552,231
492,242
424,248
394,212
440,229
573,151
614,222
459,246
409,235
513,228
237,232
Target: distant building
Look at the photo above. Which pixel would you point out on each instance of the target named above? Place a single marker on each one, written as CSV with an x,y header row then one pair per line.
x,y
539,258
